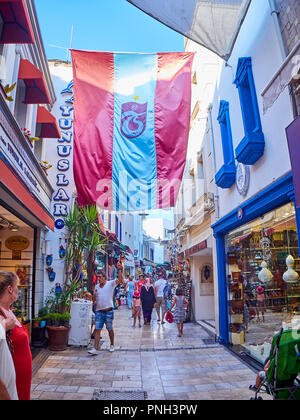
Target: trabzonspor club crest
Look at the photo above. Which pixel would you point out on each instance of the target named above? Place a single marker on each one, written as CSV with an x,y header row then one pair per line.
x,y
133,119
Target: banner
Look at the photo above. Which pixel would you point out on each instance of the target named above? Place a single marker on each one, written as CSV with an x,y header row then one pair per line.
x,y
211,23
131,125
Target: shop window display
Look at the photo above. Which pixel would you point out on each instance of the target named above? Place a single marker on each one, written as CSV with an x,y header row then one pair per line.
x,y
263,284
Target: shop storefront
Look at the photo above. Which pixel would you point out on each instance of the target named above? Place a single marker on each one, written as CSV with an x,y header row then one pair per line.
x,y
25,196
258,270
16,254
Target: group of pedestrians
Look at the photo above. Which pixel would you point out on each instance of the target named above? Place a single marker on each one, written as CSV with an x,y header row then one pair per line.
x,y
143,294
15,353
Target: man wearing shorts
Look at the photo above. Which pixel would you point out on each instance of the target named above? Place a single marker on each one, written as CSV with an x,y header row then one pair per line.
x,y
160,299
103,299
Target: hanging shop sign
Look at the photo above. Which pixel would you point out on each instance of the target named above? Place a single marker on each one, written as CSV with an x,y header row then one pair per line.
x,y
18,159
196,248
242,178
62,197
17,243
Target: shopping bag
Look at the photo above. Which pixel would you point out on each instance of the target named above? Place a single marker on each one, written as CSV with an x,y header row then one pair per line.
x,y
169,317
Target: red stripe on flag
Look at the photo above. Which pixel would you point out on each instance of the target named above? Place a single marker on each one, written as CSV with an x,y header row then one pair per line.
x,y
93,76
172,105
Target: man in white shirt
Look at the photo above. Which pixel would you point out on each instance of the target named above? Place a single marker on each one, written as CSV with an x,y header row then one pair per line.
x,y
161,303
8,390
103,298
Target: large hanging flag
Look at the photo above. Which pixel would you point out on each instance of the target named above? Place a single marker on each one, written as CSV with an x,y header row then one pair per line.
x,y
211,23
131,125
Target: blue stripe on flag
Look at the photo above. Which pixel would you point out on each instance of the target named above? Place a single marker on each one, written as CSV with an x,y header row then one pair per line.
x,y
134,174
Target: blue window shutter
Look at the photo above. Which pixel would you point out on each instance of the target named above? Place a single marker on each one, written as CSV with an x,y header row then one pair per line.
x,y
117,226
252,146
226,176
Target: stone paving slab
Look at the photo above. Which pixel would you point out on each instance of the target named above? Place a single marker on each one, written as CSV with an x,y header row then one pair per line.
x,y
151,359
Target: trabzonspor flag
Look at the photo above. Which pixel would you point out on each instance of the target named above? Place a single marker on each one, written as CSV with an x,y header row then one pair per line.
x,y
131,125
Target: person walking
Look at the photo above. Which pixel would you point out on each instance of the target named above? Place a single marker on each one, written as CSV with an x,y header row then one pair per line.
x,y
148,300
103,298
130,290
136,308
8,389
17,334
139,283
161,304
180,303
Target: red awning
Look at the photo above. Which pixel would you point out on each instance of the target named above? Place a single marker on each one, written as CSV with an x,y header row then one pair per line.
x,y
16,23
36,89
49,127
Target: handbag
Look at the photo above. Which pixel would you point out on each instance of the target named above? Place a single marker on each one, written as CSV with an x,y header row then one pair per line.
x,y
169,317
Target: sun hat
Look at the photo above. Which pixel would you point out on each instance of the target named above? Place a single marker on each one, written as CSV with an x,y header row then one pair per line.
x,y
260,289
136,294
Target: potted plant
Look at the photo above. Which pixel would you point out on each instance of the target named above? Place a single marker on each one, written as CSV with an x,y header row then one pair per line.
x,y
65,319
56,319
48,318
84,237
36,322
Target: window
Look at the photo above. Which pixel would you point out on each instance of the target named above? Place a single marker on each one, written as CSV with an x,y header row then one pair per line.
x,y
39,149
117,226
20,107
109,222
226,176
251,148
120,232
151,254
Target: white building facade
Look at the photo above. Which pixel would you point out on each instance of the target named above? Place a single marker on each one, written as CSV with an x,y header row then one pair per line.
x,y
258,222
26,125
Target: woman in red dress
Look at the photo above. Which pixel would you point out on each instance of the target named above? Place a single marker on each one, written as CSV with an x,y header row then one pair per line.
x,y
18,335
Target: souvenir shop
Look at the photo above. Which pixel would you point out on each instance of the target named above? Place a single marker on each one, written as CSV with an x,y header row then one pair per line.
x,y
181,270
259,268
16,255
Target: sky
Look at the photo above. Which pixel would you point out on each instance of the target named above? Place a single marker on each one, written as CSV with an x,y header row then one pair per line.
x,y
102,25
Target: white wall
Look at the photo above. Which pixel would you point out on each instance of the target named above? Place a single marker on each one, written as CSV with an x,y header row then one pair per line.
x,y
203,305
257,39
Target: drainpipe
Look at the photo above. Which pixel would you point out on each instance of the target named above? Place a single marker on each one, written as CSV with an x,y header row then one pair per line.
x,y
210,107
275,14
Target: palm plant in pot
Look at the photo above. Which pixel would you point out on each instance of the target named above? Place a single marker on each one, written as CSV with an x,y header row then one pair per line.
x,y
83,238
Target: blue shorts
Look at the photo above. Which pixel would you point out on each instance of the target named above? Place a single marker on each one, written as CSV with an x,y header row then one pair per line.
x,y
102,318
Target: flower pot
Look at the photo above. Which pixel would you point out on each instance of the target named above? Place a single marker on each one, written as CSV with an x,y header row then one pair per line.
x,y
62,253
49,260
58,338
52,275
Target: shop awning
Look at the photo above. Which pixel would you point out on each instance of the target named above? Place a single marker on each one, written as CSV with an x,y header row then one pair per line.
x,y
15,27
15,187
49,126
36,89
214,24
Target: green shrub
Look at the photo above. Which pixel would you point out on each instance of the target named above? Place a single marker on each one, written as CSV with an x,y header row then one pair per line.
x,y
65,316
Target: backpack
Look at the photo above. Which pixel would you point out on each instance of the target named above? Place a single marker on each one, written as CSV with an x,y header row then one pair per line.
x,y
167,291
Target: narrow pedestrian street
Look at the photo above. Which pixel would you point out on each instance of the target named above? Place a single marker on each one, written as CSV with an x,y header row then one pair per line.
x,y
150,359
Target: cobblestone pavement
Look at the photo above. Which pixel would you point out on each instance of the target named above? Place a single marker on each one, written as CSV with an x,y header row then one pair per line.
x,y
151,359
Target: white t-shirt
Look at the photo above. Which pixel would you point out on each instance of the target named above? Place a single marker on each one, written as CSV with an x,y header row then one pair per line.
x,y
160,285
7,369
104,298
